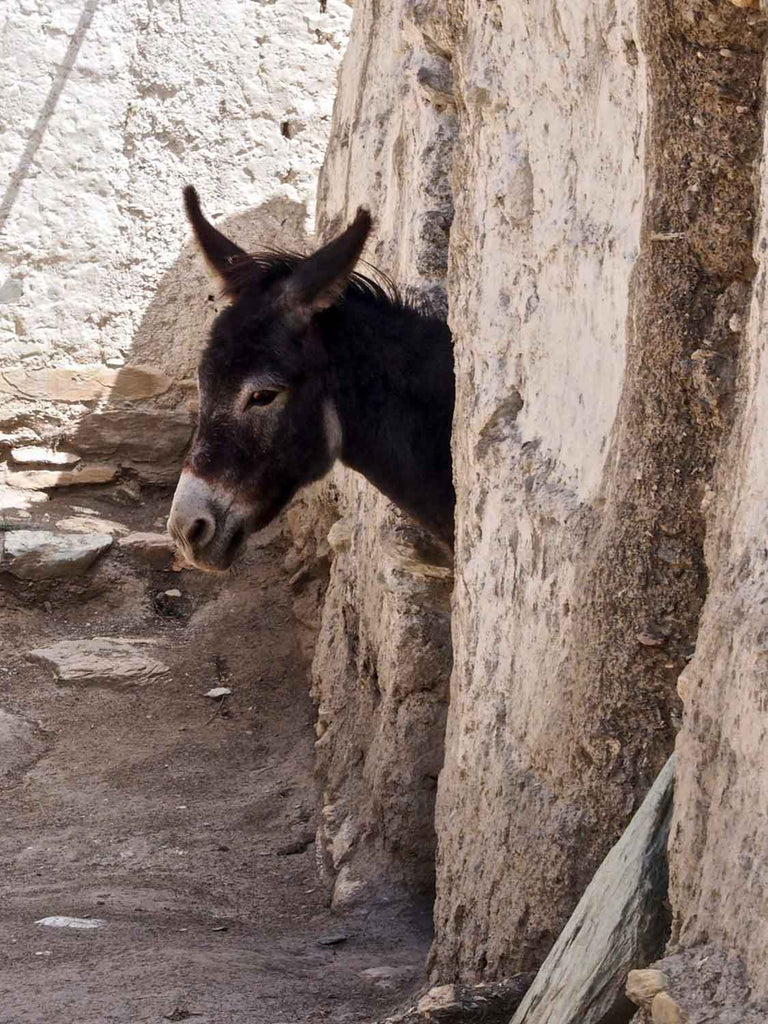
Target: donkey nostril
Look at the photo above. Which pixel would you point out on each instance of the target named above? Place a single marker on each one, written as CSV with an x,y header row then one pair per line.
x,y
200,532
196,532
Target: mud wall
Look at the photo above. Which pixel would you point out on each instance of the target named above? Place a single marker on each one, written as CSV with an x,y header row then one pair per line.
x,y
381,667
108,110
602,163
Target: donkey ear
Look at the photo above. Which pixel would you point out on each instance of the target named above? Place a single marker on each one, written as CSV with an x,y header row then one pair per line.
x,y
320,279
222,255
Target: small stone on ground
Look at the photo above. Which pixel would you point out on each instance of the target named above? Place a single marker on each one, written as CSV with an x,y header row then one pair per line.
x,y
332,940
642,986
71,922
19,742
490,1003
157,549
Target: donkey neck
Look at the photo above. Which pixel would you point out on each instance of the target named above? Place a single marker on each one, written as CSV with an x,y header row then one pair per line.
x,y
393,388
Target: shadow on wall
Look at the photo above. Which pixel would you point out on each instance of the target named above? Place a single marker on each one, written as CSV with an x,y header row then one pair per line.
x,y
141,416
63,72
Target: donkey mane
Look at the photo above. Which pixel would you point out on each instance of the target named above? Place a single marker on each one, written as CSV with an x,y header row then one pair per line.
x,y
273,265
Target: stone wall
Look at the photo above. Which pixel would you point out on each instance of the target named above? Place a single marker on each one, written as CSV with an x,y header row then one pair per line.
x,y
384,652
601,262
108,110
719,843
594,366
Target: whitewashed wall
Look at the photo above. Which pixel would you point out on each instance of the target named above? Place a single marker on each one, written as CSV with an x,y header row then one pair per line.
x,y
108,109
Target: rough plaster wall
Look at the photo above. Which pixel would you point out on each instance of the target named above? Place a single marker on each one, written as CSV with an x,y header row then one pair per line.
x,y
383,655
719,843
543,247
599,273
600,269
108,109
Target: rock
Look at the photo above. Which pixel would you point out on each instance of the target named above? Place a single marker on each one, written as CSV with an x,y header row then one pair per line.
x,y
43,479
334,939
34,454
664,1010
82,383
157,549
438,999
152,441
642,986
387,977
708,983
300,845
44,555
620,920
92,524
173,606
83,923
19,742
19,436
218,691
12,498
113,662
488,1003
126,493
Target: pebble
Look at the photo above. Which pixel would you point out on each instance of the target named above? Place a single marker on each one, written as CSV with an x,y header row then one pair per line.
x,y
642,986
72,922
333,940
20,742
218,691
664,1009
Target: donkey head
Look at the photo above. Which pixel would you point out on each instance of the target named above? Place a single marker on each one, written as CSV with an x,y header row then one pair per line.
x,y
267,423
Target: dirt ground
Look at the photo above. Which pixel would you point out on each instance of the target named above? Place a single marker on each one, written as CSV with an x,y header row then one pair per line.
x,y
185,824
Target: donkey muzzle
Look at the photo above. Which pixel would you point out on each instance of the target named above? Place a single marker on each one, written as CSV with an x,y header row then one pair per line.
x,y
204,525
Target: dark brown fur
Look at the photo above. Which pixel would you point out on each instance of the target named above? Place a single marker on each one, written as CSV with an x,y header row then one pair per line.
x,y
325,347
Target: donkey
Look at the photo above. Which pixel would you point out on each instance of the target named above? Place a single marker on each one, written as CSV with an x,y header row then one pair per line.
x,y
311,362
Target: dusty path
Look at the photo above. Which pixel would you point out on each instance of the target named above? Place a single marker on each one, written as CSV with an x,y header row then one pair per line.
x,y
189,832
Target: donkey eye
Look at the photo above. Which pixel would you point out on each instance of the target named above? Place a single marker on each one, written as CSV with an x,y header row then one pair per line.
x,y
262,398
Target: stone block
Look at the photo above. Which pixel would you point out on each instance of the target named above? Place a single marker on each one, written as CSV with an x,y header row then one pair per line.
x,y
45,555
111,662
